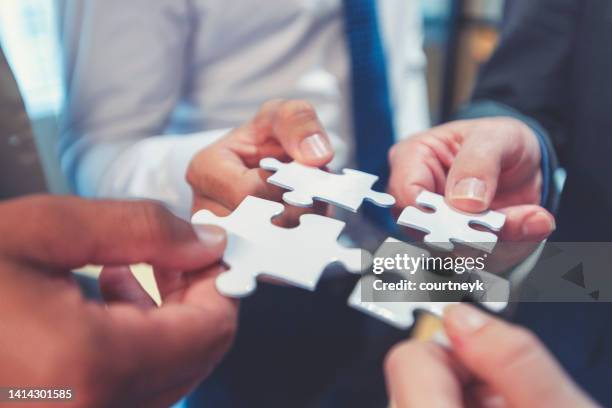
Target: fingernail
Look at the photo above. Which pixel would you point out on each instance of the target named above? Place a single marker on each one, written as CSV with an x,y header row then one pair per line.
x,y
315,147
538,224
469,188
464,319
209,235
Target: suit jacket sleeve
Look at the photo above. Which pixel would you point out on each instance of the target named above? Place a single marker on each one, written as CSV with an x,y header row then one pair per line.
x,y
529,74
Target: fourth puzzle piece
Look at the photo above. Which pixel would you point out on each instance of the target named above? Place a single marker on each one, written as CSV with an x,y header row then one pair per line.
x,y
346,190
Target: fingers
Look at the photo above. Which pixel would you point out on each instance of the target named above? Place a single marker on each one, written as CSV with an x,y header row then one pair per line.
x,y
421,374
229,181
118,284
181,341
414,167
72,232
421,161
473,176
490,147
296,126
228,171
527,223
509,359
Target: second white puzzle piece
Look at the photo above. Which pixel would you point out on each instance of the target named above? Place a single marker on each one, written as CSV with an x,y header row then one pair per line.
x,y
296,256
347,190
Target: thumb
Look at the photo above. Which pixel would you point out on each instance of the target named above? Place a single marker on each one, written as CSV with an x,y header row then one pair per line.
x,y
510,360
474,173
296,126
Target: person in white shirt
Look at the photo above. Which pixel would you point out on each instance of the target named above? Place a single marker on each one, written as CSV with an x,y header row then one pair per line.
x,y
149,84
175,100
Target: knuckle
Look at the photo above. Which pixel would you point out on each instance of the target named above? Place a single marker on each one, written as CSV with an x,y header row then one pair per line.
x,y
297,110
150,222
489,131
197,166
420,146
266,110
270,105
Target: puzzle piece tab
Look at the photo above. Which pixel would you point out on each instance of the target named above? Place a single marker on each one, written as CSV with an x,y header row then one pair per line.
x,y
347,190
446,224
297,256
400,313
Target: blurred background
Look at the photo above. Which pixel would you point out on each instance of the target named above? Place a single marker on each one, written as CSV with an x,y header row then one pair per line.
x,y
459,35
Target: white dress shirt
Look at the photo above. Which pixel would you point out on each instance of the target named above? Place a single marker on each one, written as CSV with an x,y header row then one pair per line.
x,y
149,83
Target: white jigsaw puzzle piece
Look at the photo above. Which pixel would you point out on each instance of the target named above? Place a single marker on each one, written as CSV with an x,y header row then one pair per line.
x,y
400,314
296,256
347,190
446,224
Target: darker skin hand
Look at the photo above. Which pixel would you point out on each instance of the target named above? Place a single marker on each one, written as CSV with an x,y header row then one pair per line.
x,y
129,352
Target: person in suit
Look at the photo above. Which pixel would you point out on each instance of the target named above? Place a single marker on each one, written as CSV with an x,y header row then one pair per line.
x,y
542,100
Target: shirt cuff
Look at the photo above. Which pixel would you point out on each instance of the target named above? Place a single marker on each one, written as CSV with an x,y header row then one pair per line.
x,y
154,168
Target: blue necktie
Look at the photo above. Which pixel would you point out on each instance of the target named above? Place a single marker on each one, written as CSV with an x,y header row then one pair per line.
x,y
372,117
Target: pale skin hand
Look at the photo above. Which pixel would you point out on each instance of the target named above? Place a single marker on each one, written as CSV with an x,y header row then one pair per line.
x,y
491,364
129,352
476,164
223,174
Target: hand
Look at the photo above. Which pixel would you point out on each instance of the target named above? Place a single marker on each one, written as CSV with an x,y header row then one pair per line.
x,y
477,164
223,174
491,363
129,353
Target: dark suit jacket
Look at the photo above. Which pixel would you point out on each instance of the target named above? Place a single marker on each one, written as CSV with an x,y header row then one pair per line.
x,y
553,69
20,168
554,66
